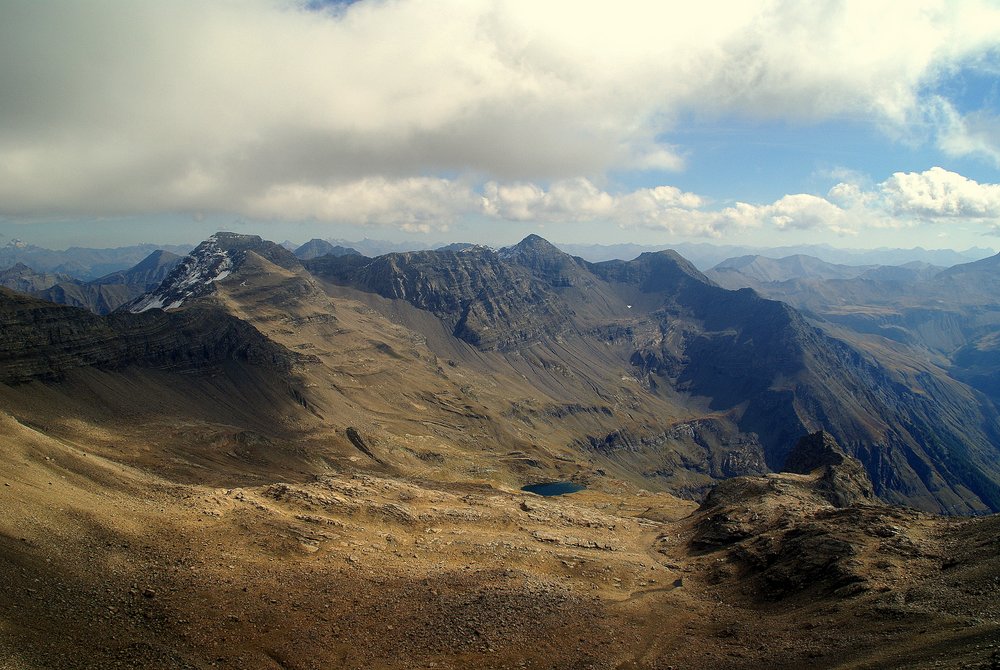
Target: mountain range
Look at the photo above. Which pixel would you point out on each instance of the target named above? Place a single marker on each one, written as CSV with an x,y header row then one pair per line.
x,y
102,295
82,263
945,318
739,377
267,460
663,375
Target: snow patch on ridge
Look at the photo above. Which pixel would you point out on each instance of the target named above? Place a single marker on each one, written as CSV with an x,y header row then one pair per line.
x,y
193,277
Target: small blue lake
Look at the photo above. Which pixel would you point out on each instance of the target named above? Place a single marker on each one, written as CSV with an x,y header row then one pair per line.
x,y
553,488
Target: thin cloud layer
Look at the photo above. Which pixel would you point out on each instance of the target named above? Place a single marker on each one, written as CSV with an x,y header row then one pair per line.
x,y
265,108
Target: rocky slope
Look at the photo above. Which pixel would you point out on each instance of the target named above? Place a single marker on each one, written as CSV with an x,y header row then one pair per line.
x,y
211,261
112,565
762,371
484,300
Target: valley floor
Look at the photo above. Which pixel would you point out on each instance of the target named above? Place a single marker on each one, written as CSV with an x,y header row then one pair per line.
x,y
106,564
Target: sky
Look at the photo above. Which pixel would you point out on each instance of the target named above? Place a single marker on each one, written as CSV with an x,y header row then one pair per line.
x,y
856,124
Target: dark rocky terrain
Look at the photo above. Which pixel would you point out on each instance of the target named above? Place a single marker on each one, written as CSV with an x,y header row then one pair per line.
x,y
42,341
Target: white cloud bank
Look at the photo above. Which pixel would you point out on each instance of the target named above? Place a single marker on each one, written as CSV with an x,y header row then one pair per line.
x,y
935,196
262,108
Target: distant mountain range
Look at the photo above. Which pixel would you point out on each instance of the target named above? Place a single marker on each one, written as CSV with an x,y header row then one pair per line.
x,y
945,317
315,248
705,256
757,271
102,295
81,263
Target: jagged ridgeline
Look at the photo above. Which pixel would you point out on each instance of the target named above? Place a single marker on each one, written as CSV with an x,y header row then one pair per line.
x,y
532,364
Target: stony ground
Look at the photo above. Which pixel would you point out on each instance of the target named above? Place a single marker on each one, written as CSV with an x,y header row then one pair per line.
x,y
105,564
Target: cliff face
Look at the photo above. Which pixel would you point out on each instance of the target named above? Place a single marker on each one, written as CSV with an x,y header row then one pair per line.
x,y
485,301
40,340
43,341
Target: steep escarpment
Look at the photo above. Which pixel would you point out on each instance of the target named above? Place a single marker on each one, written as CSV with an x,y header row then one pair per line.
x,y
43,341
484,300
40,340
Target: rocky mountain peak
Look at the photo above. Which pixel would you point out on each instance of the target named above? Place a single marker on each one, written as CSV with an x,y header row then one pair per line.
x,y
546,261
535,243
22,278
317,248
211,261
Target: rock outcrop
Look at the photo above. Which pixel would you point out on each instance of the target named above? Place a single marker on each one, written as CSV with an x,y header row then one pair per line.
x,y
839,478
813,530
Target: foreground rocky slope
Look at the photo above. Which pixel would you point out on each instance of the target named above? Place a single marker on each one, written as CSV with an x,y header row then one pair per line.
x,y
111,565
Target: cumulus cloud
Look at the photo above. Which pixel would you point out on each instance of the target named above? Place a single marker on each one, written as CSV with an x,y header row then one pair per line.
x,y
904,200
940,194
665,208
263,107
972,134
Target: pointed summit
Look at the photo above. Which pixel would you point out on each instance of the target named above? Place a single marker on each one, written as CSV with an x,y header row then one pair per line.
x,y
655,272
536,242
532,246
211,261
546,261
